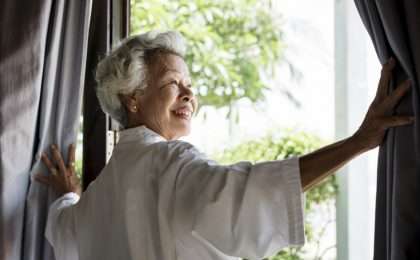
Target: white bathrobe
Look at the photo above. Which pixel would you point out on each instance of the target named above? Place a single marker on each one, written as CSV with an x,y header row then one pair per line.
x,y
164,200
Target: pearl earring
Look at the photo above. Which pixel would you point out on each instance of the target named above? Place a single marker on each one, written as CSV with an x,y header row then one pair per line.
x,y
134,108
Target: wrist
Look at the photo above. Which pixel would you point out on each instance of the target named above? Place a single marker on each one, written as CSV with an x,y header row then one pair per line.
x,y
359,143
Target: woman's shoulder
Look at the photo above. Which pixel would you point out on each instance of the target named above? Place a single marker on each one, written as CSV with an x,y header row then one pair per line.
x,y
176,150
174,147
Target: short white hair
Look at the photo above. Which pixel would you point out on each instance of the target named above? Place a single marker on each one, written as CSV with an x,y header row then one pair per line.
x,y
124,69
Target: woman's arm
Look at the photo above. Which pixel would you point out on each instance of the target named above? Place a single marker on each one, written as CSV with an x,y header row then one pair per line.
x,y
317,165
60,229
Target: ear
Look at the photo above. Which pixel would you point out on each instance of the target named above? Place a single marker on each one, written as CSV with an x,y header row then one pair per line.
x,y
130,102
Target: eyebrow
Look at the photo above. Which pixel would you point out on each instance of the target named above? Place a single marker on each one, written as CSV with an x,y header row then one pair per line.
x,y
172,70
175,71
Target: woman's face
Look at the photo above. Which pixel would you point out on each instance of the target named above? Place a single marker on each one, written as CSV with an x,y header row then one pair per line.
x,y
168,102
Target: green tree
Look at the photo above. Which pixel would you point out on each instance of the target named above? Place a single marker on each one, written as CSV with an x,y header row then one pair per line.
x,y
229,43
277,148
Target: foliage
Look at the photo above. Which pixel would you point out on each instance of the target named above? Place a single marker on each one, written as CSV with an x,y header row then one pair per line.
x,y
229,42
79,168
276,148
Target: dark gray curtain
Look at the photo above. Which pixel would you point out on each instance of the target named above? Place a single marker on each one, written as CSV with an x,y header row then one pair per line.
x,y
42,65
394,26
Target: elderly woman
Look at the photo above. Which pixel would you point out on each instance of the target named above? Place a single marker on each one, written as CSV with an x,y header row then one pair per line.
x,y
159,198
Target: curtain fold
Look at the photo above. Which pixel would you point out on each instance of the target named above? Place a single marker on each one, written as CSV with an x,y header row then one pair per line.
x,y
43,51
394,28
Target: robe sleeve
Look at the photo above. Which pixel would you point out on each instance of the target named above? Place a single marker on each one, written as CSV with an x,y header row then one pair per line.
x,y
60,230
244,210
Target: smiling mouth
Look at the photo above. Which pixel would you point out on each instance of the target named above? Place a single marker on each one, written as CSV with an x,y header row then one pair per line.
x,y
182,113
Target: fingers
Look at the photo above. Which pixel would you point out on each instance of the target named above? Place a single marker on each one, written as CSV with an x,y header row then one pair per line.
x,y
389,65
394,121
386,76
48,163
397,94
58,159
42,179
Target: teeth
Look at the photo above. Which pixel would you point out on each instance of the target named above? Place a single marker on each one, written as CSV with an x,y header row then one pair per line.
x,y
185,113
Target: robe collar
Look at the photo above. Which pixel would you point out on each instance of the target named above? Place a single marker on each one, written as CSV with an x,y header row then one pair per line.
x,y
140,133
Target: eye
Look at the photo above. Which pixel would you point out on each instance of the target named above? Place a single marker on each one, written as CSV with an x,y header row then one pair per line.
x,y
172,83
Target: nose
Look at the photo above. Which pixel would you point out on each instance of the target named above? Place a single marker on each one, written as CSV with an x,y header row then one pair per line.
x,y
186,98
186,94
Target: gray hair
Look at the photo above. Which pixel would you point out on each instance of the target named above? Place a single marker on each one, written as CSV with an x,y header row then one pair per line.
x,y
124,69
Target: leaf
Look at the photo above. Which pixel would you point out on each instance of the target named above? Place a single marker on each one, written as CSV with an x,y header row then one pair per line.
x,y
229,40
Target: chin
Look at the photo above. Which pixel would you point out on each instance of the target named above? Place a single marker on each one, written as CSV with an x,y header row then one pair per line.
x,y
184,131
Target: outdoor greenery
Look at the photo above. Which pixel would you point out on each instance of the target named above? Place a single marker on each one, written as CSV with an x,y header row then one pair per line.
x,y
79,168
286,146
229,43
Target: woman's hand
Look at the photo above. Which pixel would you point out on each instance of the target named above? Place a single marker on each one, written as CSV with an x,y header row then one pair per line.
x,y
377,120
61,178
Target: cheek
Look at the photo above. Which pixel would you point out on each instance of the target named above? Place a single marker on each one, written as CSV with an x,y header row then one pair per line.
x,y
165,102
